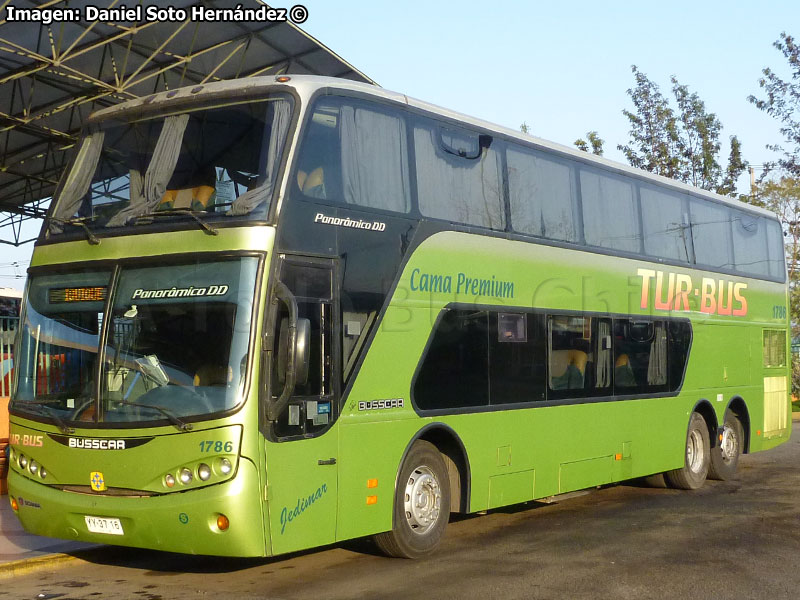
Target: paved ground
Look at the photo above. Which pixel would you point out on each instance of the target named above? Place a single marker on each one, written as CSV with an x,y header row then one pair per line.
x,y
731,540
16,545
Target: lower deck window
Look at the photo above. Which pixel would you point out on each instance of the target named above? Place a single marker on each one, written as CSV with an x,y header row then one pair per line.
x,y
481,358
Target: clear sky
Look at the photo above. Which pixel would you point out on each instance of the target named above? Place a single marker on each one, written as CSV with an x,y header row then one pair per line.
x,y
561,67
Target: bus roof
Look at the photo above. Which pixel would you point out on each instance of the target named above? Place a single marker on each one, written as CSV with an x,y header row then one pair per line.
x,y
307,85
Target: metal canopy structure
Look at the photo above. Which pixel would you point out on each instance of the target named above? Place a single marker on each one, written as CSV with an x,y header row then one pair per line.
x,y
53,77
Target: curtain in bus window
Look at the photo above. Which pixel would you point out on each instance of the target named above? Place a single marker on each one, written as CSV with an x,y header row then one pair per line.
x,y
162,164
80,176
604,355
458,188
711,234
248,201
542,197
374,159
609,212
665,220
777,257
750,252
657,367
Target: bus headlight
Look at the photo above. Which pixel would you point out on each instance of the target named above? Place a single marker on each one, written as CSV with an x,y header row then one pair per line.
x,y
42,472
225,466
34,467
204,472
169,480
23,461
185,476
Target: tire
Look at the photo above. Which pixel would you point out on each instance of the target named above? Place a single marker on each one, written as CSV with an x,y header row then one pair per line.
x,y
696,458
418,525
725,455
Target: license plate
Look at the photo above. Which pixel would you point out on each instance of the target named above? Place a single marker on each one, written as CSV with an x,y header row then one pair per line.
x,y
106,525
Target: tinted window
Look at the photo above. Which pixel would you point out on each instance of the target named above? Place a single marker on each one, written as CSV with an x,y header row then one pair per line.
x,y
640,356
610,217
354,155
455,369
679,340
542,196
775,248
458,176
665,219
750,251
517,358
711,234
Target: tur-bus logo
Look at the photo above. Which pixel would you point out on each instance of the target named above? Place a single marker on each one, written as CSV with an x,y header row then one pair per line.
x,y
672,292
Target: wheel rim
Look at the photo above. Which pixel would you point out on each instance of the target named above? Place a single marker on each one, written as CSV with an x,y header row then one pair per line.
x,y
695,451
729,445
423,500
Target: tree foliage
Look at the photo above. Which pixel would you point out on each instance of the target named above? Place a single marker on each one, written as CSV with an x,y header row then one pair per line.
x,y
782,101
681,142
594,140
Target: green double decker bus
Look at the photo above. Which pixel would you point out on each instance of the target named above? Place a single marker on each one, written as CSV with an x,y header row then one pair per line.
x,y
276,313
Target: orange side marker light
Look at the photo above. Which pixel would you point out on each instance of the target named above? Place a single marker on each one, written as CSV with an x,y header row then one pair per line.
x,y
223,523
14,505
372,483
372,500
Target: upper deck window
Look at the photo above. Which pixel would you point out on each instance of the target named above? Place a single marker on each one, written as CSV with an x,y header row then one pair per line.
x,y
543,196
213,163
354,154
609,211
458,176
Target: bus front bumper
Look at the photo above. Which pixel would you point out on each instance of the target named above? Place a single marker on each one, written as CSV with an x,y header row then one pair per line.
x,y
185,522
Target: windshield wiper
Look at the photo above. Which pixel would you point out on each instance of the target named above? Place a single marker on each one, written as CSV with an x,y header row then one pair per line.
x,y
172,212
78,222
182,425
47,411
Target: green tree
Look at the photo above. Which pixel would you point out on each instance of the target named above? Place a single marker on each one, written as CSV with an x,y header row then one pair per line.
x,y
682,142
525,128
595,141
782,101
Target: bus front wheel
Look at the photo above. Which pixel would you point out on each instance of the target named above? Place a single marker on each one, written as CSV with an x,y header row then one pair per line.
x,y
725,455
696,458
421,504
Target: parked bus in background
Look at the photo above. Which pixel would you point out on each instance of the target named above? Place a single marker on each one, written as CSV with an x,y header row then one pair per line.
x,y
10,302
271,314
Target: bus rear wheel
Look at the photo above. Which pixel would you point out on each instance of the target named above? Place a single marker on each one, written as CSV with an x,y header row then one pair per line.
x,y
696,459
725,455
421,504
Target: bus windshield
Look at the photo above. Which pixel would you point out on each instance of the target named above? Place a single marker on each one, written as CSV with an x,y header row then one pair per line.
x,y
209,164
176,342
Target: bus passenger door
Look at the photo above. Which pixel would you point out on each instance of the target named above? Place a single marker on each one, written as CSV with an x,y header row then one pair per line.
x,y
302,447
